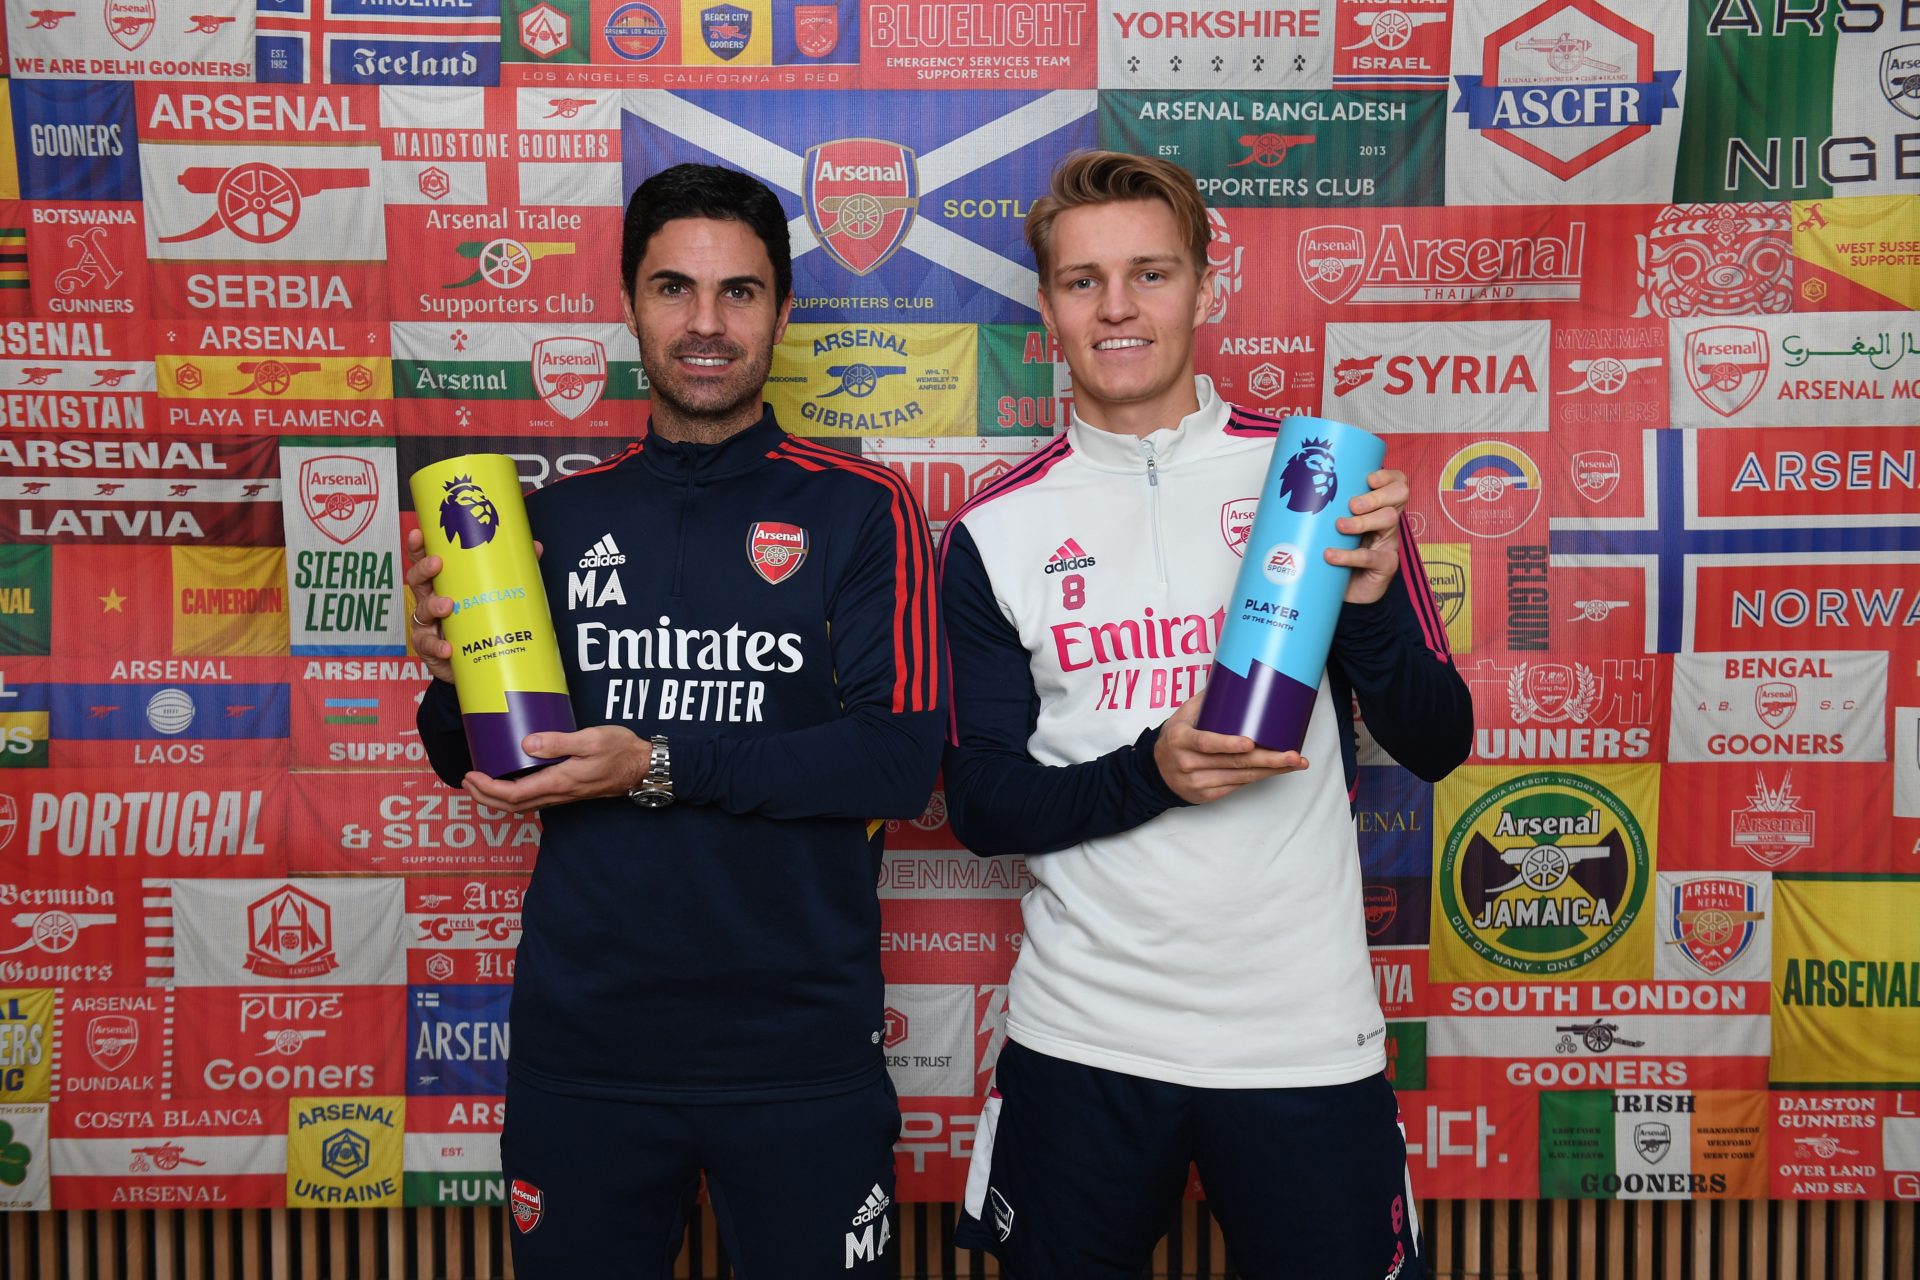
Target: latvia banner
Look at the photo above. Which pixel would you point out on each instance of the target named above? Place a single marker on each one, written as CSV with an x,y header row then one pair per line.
x,y
306,379
1630,1144
946,474
132,40
403,822
61,374
379,42
343,551
463,929
553,378
452,1151
247,217
183,489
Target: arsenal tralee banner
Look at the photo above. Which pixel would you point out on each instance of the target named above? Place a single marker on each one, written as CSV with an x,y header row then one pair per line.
x,y
1629,286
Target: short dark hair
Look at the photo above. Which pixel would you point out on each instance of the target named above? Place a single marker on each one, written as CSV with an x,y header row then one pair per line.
x,y
705,191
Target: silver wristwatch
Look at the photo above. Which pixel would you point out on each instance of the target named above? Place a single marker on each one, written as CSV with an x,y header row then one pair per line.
x,y
655,790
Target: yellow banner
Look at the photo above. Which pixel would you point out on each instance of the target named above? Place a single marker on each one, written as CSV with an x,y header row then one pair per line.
x,y
1873,241
230,601
345,1152
1846,981
1544,873
9,173
21,734
275,377
726,33
26,1044
877,380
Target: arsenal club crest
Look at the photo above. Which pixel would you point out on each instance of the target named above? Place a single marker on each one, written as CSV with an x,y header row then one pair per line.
x,y
528,1205
340,494
1236,523
569,373
1596,474
776,551
112,1039
816,28
9,820
1332,259
1775,702
1382,903
1900,79
1652,1139
861,196
1727,365
130,22
1712,920
290,935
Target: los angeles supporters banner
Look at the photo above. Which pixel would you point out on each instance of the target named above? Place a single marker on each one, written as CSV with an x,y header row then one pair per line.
x,y
1629,287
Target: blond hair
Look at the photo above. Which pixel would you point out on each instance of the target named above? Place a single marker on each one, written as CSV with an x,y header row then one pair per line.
x,y
1105,177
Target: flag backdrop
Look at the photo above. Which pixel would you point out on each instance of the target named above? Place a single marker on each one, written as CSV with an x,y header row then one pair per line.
x,y
1629,285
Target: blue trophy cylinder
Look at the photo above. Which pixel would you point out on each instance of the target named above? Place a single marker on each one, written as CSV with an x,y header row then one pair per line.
x,y
1287,598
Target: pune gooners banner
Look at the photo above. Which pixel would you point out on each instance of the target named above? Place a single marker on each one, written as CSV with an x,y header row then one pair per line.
x,y
347,582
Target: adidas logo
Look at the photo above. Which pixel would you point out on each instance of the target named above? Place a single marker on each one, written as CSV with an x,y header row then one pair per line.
x,y
1068,557
601,554
876,1204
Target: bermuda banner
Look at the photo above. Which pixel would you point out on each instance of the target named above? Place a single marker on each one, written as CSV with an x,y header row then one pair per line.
x,y
946,474
1740,818
1207,44
306,935
508,201
897,379
85,375
1856,254
1487,375
74,140
1827,370
358,713
463,929
919,44
1565,100
1769,707
311,379
1392,44
155,1152
1623,1144
457,1040
452,1151
247,218
1840,123
348,584
568,380
378,42
132,40
1268,149
396,823
180,489
345,1152
1845,977
912,203
70,925
1545,873
216,822
1025,388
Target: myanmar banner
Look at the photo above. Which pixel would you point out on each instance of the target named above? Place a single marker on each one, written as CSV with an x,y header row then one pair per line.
x,y
1638,1145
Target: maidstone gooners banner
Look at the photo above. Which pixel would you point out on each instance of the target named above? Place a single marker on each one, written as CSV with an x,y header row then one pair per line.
x,y
902,206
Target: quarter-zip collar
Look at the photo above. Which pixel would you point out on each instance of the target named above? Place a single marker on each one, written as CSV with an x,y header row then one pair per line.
x,y
681,463
1199,432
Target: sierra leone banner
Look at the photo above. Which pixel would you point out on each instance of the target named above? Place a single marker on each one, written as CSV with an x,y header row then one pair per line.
x,y
1641,1145
342,513
1798,109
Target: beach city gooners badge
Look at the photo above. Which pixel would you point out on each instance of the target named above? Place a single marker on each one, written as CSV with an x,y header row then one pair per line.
x,y
1542,873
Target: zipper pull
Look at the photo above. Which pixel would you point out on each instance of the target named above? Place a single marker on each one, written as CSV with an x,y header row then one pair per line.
x,y
1153,468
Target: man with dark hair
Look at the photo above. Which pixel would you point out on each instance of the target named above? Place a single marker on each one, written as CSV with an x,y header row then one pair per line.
x,y
747,623
1193,984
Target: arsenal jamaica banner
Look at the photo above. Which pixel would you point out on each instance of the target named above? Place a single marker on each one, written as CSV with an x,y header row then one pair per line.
x,y
509,203
263,203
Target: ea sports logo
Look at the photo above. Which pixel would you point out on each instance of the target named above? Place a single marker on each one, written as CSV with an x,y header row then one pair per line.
x,y
1283,564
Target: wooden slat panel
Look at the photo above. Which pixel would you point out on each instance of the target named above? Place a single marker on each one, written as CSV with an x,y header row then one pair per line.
x,y
1673,1238
193,1236
1530,1233
219,1229
106,1246
1873,1241
1589,1253
1845,1242
1787,1261
1815,1265
1643,1240
1758,1255
1706,1225
486,1221
1617,1241
139,1254
1903,1241
76,1241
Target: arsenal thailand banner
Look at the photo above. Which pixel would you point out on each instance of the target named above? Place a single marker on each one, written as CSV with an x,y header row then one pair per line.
x,y
1629,286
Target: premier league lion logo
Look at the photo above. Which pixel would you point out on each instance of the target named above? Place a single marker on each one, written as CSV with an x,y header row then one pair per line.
x,y
1308,484
467,514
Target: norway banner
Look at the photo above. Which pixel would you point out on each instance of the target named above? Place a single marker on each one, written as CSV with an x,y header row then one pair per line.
x,y
343,551
460,378
248,217
903,196
132,40
457,42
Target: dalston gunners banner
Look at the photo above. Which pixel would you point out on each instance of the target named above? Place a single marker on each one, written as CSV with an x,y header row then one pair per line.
x,y
343,561
901,195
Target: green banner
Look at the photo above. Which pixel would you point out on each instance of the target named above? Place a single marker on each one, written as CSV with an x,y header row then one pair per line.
x,y
1024,385
26,600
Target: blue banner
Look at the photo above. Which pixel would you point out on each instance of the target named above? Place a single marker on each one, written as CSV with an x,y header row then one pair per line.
x,y
457,1040
1566,106
74,139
